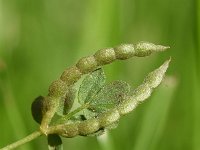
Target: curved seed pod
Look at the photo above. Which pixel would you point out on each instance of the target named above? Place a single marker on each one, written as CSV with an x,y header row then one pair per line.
x,y
88,64
107,56
106,119
65,130
88,126
124,51
109,117
71,75
57,88
143,49
144,91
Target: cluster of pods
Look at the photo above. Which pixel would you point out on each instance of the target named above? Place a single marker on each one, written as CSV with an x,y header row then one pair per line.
x,y
87,65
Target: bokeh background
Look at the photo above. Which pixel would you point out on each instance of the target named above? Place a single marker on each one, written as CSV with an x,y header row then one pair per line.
x,y
40,38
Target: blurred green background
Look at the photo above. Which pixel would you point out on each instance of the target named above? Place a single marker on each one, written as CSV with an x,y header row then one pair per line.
x,y
40,38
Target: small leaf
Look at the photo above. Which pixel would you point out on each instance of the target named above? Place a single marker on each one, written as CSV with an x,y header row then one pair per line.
x,y
54,142
109,96
37,108
65,103
91,85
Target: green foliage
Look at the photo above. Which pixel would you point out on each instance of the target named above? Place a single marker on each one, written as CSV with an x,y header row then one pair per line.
x,y
90,86
99,96
109,96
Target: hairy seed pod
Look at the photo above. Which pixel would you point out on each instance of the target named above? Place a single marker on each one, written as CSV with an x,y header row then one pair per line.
x,y
124,51
87,64
58,88
105,56
108,117
88,126
143,49
65,130
127,106
144,91
71,75
71,131
152,80
139,92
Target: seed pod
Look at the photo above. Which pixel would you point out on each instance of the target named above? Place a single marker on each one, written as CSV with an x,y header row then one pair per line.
x,y
124,51
105,56
143,49
58,88
67,130
144,91
71,75
111,116
88,126
88,64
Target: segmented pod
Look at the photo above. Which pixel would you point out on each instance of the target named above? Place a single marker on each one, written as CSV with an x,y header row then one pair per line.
x,y
88,64
57,88
105,119
88,126
107,56
71,75
124,51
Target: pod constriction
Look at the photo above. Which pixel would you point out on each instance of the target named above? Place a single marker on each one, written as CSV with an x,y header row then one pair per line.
x,y
109,117
107,56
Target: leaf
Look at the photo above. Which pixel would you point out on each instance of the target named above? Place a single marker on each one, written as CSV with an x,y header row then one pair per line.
x,y
91,85
66,103
37,108
109,96
54,142
100,97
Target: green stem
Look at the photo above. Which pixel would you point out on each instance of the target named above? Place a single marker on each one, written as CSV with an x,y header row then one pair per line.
x,y
39,133
23,141
69,115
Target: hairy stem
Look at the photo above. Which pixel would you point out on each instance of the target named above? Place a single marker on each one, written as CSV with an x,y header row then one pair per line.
x,y
26,139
